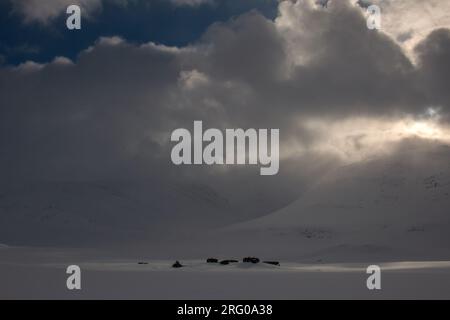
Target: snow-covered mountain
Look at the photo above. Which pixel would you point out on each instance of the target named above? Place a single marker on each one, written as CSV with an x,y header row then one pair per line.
x,y
394,207
391,207
78,213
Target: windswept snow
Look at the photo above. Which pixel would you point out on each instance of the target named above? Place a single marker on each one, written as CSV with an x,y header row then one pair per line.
x,y
27,274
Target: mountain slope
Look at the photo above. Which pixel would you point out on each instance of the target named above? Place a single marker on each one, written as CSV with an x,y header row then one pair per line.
x,y
79,213
393,206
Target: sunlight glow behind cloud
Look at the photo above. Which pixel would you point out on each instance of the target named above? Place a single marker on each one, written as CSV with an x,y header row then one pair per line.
x,y
358,138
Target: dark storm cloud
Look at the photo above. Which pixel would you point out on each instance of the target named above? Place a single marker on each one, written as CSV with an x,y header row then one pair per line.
x,y
353,69
109,114
93,115
349,69
434,68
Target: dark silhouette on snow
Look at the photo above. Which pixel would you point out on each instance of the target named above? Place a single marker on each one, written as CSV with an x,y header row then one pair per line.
x,y
225,262
177,264
251,260
212,260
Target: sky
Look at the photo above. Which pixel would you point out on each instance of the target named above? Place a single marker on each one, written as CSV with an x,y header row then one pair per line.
x,y
99,104
34,30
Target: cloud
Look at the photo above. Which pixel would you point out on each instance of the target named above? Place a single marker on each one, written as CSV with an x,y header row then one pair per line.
x,y
434,68
191,3
43,11
411,21
319,75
